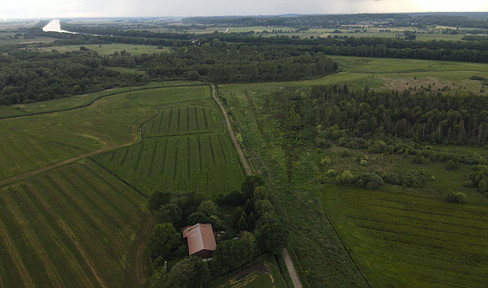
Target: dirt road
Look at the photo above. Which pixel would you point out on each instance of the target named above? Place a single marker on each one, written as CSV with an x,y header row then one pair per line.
x,y
286,255
247,168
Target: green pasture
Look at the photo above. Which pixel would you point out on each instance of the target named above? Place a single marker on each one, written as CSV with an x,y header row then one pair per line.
x,y
30,143
79,101
388,74
185,147
108,49
75,226
407,241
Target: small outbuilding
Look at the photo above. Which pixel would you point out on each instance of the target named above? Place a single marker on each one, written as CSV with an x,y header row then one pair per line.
x,y
201,240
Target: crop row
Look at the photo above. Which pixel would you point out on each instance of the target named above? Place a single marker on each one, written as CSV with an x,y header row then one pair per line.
x,y
183,120
203,162
71,227
436,244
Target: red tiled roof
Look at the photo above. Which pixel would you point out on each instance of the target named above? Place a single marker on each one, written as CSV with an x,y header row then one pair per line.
x,y
200,237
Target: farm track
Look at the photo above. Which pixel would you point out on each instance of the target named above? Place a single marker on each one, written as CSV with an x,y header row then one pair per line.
x,y
94,101
286,255
58,164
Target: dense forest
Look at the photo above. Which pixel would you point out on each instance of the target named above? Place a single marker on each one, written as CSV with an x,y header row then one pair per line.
x,y
28,76
422,116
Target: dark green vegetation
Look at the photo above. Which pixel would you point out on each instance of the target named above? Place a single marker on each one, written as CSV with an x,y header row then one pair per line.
x,y
184,147
247,226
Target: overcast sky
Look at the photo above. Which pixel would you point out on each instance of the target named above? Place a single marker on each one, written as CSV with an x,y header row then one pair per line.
x,y
133,8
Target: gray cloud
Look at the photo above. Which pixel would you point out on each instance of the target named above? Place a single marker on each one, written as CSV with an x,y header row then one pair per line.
x,y
126,8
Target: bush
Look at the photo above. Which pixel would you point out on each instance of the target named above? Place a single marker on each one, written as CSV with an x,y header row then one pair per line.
x,y
346,177
393,179
346,153
370,181
456,197
363,162
331,173
413,179
451,165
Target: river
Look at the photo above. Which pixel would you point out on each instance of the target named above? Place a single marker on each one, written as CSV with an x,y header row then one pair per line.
x,y
55,26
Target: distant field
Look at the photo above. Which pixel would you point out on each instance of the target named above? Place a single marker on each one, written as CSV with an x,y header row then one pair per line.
x,y
75,226
80,100
396,74
107,49
185,147
406,241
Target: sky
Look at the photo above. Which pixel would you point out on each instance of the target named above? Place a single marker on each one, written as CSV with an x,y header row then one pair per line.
x,y
11,9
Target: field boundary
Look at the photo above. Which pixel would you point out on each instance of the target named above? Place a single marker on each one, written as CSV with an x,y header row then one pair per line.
x,y
35,172
118,178
246,167
343,244
95,100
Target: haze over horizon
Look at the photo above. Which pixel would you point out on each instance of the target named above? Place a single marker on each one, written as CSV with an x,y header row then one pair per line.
x,y
154,8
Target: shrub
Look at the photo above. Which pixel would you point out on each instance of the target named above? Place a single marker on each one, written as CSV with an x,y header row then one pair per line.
x,y
331,173
393,179
413,178
363,162
346,153
370,181
456,197
451,165
346,177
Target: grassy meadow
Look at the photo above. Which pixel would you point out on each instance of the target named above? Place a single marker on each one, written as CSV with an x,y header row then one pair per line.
x,y
108,49
32,142
407,241
74,226
185,147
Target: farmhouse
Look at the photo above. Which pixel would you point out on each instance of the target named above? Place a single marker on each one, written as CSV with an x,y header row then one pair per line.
x,y
201,240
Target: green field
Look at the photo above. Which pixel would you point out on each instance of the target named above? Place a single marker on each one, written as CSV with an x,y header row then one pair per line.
x,y
185,147
32,142
406,241
108,49
66,220
75,226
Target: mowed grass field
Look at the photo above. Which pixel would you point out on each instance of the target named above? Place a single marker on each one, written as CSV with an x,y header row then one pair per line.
x,y
407,241
185,147
74,226
33,142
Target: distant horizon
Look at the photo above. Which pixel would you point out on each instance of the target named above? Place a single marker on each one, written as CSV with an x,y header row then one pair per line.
x,y
49,9
244,15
